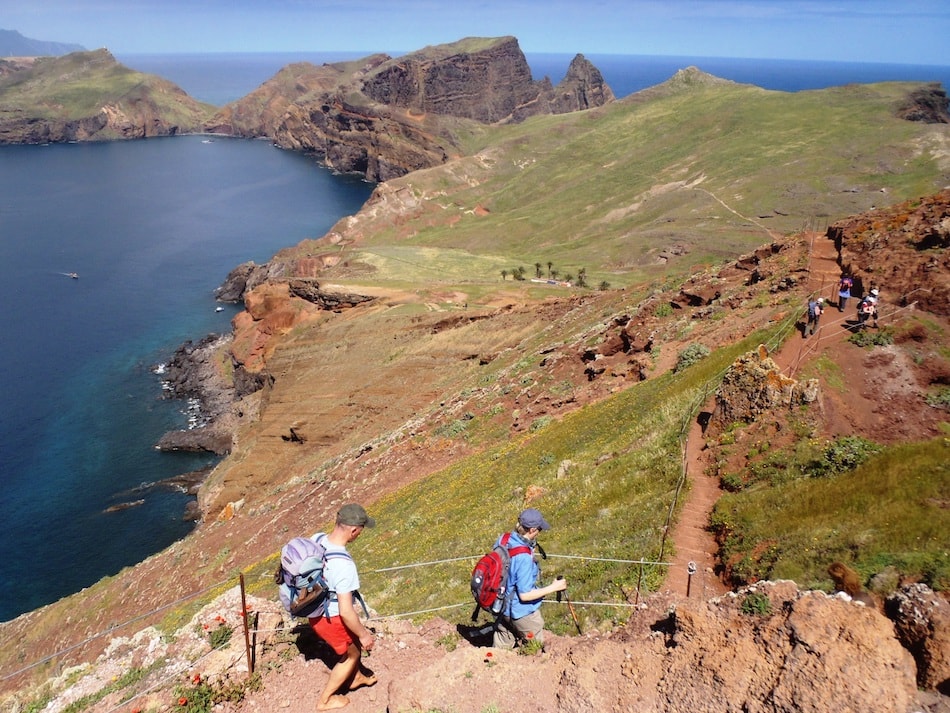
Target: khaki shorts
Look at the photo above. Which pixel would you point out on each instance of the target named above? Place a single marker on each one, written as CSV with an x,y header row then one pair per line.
x,y
511,632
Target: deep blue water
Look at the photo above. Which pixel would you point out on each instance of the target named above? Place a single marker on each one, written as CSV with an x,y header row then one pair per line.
x,y
219,79
151,227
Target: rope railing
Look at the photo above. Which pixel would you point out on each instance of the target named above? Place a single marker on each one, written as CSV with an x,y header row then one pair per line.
x,y
111,630
193,595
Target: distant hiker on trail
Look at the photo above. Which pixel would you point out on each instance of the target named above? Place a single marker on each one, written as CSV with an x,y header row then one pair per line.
x,y
521,618
340,626
844,291
867,309
815,307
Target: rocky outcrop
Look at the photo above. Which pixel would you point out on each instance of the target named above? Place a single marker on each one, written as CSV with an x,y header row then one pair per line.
x,y
929,105
902,250
922,621
194,374
384,117
246,276
754,385
771,648
128,105
310,291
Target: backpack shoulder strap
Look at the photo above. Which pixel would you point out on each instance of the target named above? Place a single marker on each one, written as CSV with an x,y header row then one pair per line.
x,y
514,549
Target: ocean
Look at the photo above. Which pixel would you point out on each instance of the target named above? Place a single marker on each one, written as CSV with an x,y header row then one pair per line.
x,y
151,228
219,79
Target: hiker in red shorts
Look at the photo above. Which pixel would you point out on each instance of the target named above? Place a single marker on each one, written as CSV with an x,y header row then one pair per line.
x,y
340,625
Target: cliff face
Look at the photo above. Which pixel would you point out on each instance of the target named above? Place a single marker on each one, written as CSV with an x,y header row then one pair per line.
x,y
88,96
384,117
490,85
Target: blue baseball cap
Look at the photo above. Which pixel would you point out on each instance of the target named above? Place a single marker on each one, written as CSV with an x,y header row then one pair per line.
x,y
533,518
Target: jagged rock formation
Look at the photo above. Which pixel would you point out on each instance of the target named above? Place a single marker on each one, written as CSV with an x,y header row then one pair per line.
x,y
384,117
902,250
755,385
47,101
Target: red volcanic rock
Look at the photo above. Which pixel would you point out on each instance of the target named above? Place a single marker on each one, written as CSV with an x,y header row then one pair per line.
x,y
902,250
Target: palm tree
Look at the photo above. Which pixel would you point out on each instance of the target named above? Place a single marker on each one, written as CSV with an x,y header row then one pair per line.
x,y
504,275
537,269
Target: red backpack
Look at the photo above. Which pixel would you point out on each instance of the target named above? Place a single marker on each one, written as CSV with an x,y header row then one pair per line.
x,y
490,577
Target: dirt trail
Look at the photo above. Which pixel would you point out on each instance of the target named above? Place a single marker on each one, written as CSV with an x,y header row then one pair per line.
x,y
693,543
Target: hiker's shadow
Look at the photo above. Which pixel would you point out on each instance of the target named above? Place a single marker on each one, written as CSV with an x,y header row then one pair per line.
x,y
313,647
481,636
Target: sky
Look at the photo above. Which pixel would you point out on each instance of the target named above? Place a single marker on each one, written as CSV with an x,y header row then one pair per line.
x,y
891,31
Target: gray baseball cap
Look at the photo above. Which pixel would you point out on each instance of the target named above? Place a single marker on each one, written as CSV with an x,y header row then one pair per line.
x,y
354,514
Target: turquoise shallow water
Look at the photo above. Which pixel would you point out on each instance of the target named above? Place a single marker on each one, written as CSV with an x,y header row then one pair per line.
x,y
152,228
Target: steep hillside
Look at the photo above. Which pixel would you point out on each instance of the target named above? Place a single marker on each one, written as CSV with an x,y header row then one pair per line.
x,y
88,96
430,358
797,643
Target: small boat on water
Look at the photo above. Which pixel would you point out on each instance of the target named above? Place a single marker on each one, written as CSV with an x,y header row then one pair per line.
x,y
74,275
219,309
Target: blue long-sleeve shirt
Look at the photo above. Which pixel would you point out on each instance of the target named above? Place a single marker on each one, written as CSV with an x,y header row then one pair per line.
x,y
523,576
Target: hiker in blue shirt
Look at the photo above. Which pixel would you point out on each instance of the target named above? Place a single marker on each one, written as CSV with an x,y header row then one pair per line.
x,y
521,619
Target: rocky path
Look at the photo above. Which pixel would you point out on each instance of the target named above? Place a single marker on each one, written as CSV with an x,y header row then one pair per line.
x,y
693,543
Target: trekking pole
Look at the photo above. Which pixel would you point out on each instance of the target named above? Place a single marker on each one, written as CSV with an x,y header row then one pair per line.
x,y
570,608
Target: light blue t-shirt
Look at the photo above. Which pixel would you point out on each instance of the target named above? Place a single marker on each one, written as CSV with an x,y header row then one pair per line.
x,y
522,577
340,573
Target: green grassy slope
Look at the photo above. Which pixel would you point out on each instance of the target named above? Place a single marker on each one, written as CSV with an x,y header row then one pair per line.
x,y
78,85
697,162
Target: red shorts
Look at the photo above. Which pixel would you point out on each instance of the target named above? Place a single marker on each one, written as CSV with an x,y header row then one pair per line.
x,y
333,632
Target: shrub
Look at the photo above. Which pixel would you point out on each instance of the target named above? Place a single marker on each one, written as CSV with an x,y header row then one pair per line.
x,y
756,604
539,423
843,454
663,310
733,482
690,355
220,636
872,338
530,646
939,398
